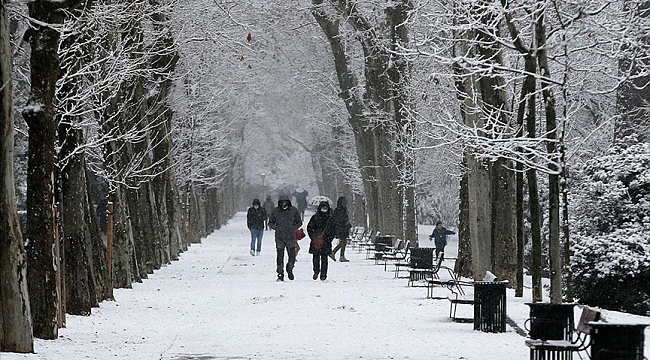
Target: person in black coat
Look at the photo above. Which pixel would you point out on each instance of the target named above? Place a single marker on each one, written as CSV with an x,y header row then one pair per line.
x,y
255,220
285,220
320,225
341,222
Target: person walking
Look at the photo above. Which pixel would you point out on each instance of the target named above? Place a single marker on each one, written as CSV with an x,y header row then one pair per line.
x,y
268,206
301,201
320,226
285,220
341,223
439,237
255,220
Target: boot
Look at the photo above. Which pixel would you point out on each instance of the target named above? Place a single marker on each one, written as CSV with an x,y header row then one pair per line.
x,y
332,256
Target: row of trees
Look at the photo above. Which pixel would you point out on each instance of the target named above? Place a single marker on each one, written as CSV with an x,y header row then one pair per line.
x,y
515,93
95,83
130,103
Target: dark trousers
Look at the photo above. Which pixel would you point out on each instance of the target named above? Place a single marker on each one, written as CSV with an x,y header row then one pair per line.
x,y
280,259
440,250
341,245
319,260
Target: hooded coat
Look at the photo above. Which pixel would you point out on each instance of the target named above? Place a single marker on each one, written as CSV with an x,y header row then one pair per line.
x,y
321,223
255,217
341,219
285,221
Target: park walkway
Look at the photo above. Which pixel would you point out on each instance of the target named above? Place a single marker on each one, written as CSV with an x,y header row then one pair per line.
x,y
218,302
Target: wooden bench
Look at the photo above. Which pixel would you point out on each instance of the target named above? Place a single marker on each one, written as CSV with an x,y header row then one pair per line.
x,y
564,349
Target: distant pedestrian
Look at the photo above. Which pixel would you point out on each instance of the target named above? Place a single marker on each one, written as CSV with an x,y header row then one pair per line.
x,y
301,201
255,220
341,223
439,237
268,206
285,219
320,226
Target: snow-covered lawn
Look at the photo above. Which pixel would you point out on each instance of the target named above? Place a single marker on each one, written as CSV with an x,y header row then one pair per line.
x,y
218,302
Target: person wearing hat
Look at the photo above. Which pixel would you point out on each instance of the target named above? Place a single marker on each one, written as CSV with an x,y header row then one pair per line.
x,y
255,220
439,237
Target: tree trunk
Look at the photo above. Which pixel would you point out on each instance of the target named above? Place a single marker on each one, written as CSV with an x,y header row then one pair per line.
x,y
99,273
555,258
15,315
464,238
39,115
81,283
75,233
125,269
503,245
526,97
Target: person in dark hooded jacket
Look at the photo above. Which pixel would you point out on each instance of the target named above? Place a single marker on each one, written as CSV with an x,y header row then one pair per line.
x,y
255,222
341,223
320,224
285,220
268,206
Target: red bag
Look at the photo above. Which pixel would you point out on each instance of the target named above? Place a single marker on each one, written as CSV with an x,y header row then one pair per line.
x,y
300,233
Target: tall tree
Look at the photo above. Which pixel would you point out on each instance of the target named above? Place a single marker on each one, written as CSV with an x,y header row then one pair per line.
x,y
377,112
15,316
39,115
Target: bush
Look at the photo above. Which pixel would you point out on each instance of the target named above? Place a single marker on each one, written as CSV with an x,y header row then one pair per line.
x,y
611,247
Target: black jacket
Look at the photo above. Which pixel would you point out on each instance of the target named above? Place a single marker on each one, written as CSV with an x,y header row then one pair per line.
x,y
255,218
341,219
285,221
321,224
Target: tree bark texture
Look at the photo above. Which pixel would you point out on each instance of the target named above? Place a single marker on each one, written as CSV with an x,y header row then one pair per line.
x,y
476,226
125,269
39,115
15,315
555,257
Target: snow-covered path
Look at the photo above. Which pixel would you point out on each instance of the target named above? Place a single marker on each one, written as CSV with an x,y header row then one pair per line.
x,y
218,302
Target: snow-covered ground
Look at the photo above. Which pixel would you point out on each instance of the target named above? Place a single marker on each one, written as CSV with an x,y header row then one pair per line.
x,y
218,302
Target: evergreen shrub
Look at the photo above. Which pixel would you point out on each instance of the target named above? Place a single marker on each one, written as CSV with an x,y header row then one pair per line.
x,y
611,231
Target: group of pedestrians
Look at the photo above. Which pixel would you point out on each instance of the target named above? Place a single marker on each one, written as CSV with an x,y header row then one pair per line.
x,y
323,227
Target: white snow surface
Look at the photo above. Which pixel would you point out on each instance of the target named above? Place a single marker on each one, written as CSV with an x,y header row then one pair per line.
x,y
219,302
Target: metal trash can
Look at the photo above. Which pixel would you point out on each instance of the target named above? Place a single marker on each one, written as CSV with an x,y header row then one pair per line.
x,y
490,306
422,257
616,341
550,321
